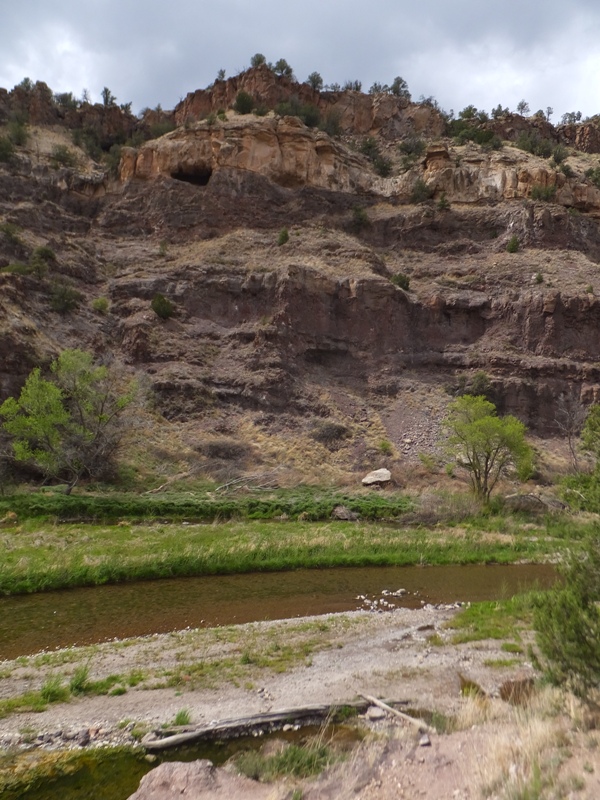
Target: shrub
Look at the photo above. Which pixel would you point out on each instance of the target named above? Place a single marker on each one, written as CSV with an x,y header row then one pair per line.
x,y
11,232
385,447
315,81
567,170
513,244
160,128
307,112
593,175
535,144
545,193
412,146
7,149
283,236
559,153
332,123
61,156
162,306
64,298
17,132
360,219
244,103
567,621
443,203
44,253
100,304
401,280
382,166
330,433
420,192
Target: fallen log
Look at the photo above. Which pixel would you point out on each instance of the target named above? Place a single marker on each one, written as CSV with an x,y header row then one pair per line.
x,y
418,723
256,724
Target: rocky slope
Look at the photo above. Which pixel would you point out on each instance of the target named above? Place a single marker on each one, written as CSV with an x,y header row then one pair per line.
x,y
268,341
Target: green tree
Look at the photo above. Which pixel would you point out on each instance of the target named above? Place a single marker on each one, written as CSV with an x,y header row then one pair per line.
x,y
70,424
281,67
315,81
484,444
399,87
257,60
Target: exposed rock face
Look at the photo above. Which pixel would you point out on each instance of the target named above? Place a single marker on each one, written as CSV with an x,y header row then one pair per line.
x,y
356,113
289,154
283,150
199,780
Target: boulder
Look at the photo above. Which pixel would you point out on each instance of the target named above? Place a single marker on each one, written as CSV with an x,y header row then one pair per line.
x,y
525,502
377,478
199,780
344,514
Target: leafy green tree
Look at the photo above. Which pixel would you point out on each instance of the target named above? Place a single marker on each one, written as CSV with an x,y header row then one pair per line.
x,y
523,107
399,88
281,67
257,60
315,81
484,444
69,425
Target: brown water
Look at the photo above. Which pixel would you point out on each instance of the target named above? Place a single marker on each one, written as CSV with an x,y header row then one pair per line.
x,y
31,623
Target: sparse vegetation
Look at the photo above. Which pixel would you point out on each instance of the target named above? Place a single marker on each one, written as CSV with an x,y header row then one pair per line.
x,y
100,304
162,306
544,193
244,103
64,298
513,244
401,280
283,237
421,192
62,156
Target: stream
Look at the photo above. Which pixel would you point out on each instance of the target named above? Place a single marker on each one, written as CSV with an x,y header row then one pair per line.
x,y
47,621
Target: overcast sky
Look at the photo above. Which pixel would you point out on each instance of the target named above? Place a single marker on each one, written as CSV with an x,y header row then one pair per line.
x,y
460,51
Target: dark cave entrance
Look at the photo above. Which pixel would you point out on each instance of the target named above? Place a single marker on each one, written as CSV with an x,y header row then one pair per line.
x,y
197,176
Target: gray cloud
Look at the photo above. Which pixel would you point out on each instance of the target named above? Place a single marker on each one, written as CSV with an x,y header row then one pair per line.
x,y
461,52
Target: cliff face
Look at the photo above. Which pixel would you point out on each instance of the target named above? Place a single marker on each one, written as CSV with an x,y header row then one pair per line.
x,y
315,327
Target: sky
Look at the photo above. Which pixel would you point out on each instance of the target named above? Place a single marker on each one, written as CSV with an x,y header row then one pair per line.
x,y
461,52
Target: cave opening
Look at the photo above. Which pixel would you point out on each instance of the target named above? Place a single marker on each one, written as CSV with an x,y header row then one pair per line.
x,y
197,176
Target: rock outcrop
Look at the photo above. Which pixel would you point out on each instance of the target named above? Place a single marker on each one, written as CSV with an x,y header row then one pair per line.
x,y
199,780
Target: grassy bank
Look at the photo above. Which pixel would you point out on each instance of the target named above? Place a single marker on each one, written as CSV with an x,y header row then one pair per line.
x,y
40,556
306,503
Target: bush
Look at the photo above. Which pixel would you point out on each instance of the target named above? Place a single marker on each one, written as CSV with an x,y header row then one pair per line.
x,y
283,237
162,307
11,232
513,244
100,304
330,433
535,144
567,621
559,153
64,298
244,103
382,166
7,149
17,132
307,112
545,193
360,219
420,192
61,156
332,123
593,175
443,203
401,280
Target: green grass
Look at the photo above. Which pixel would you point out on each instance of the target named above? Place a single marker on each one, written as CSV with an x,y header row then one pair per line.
x,y
40,556
305,502
299,761
502,619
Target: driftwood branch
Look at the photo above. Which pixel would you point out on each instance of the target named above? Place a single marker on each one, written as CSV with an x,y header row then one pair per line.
x,y
418,723
232,728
